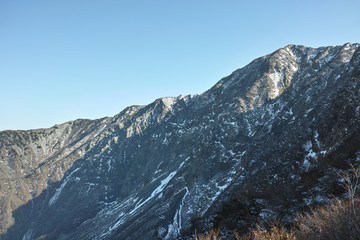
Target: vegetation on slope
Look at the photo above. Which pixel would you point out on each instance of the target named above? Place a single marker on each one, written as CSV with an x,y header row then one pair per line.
x,y
338,220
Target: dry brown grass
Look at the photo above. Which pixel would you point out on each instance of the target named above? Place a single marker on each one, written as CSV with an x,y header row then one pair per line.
x,y
340,220
212,235
275,233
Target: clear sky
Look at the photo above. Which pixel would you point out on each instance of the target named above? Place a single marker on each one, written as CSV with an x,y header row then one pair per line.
x,y
69,59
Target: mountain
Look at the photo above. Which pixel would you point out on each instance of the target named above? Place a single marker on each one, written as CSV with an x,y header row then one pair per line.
x,y
263,143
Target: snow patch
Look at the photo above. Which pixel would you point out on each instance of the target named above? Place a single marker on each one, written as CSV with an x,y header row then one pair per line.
x,y
163,184
28,235
118,222
251,132
316,135
221,188
310,155
266,213
309,110
159,189
275,79
175,227
290,111
59,190
109,164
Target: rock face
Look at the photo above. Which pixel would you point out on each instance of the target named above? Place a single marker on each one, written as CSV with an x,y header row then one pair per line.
x,y
267,137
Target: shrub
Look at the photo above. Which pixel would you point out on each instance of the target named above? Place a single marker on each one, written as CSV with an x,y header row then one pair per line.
x,y
340,220
212,235
275,233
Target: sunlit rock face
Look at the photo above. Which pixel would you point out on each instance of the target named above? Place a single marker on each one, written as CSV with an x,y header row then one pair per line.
x,y
269,136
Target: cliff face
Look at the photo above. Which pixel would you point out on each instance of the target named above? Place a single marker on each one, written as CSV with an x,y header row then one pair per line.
x,y
268,137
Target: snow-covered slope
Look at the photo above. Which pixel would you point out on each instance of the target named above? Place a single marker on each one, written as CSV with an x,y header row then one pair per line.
x,y
268,136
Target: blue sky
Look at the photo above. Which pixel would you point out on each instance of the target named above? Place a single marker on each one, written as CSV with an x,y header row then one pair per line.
x,y
69,59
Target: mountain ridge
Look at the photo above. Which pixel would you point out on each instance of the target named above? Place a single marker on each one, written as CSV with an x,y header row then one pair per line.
x,y
150,159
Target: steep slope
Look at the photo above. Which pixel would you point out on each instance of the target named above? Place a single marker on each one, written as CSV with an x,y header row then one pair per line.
x,y
266,136
30,160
